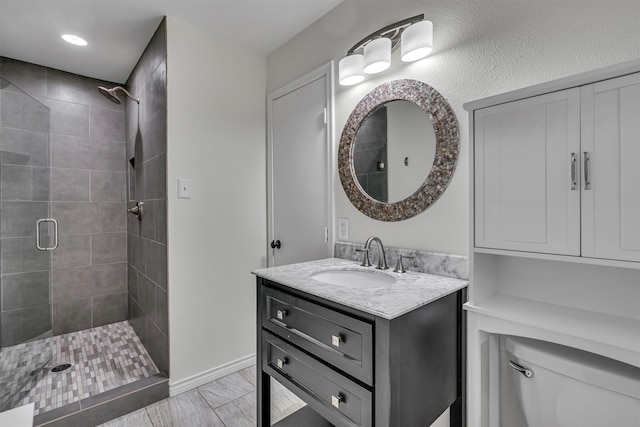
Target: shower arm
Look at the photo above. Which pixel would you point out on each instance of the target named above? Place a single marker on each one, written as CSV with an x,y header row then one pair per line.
x,y
126,92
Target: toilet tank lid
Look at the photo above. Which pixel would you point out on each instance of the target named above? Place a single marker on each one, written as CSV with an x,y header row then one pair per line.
x,y
582,365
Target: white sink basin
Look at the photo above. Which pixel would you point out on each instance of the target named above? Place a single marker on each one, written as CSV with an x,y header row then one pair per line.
x,y
354,278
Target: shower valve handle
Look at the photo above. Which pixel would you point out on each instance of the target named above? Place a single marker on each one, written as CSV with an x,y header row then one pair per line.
x,y
137,210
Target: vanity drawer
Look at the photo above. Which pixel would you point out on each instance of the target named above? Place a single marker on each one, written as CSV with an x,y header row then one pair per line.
x,y
341,340
338,399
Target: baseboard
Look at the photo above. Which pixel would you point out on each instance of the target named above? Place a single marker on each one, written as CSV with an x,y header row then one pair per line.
x,y
207,376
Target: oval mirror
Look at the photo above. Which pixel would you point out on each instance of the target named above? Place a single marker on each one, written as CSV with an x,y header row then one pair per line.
x,y
398,150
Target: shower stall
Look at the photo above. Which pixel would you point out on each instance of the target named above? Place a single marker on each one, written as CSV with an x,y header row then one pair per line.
x,y
82,311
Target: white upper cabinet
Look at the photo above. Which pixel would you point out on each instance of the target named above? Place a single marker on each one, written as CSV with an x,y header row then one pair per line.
x,y
611,141
560,173
527,170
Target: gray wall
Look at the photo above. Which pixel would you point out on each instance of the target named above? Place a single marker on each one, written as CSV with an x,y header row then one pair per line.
x,y
88,284
146,138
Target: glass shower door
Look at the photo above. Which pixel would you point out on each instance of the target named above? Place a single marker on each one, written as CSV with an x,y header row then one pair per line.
x,y
27,236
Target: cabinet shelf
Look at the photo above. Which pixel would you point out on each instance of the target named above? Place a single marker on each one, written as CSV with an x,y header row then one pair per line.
x,y
303,417
564,258
610,336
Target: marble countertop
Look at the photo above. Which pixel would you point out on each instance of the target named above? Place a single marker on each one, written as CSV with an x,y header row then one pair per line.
x,y
410,291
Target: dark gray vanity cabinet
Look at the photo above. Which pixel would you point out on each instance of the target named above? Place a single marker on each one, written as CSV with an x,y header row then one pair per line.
x,y
354,369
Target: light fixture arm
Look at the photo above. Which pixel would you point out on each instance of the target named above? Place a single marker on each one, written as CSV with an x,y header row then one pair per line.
x,y
392,32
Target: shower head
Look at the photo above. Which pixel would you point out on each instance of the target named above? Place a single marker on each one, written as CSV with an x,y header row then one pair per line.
x,y
110,94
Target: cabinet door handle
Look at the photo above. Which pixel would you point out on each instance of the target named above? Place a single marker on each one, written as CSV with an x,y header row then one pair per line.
x,y
587,174
574,161
336,400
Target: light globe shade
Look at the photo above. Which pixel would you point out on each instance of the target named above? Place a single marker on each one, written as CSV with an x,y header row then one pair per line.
x,y
416,41
377,55
350,70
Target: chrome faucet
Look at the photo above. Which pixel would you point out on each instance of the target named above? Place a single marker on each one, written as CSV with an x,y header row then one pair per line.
x,y
382,259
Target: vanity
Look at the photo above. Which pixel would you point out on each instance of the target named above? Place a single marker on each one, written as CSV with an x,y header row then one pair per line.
x,y
360,346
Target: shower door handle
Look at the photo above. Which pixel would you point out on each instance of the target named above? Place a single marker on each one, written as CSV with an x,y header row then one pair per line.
x,y
55,234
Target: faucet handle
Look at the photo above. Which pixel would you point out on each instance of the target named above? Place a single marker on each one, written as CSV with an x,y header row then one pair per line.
x,y
399,267
365,259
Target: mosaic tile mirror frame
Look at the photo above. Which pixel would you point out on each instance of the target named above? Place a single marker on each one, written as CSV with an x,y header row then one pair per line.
x,y
447,147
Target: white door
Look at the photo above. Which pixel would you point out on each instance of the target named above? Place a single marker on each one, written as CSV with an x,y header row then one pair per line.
x,y
611,143
527,194
299,163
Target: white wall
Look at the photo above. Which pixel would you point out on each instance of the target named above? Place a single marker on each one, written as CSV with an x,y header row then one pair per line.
x,y
216,138
481,48
410,135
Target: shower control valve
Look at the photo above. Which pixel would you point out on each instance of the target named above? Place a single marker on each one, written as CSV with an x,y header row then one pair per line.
x,y
137,210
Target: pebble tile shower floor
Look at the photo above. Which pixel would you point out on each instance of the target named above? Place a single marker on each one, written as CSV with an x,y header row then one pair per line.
x,y
101,359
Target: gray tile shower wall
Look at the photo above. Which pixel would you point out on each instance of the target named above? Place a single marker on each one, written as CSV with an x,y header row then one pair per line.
x,y
72,155
371,146
146,141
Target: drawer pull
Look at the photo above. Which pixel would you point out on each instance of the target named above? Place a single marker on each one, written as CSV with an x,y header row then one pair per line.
x,y
282,362
336,400
280,314
336,340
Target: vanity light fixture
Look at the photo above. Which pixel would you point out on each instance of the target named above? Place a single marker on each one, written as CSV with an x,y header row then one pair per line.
x,y
70,38
372,54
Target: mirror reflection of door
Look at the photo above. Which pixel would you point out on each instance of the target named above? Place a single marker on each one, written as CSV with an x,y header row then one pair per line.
x,y
298,174
394,151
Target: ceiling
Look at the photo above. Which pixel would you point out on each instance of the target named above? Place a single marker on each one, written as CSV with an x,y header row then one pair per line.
x,y
118,30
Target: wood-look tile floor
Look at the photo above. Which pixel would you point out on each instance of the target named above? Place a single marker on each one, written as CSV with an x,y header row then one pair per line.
x,y
227,402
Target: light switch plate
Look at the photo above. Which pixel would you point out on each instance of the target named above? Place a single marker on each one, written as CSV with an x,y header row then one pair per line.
x,y
343,228
184,188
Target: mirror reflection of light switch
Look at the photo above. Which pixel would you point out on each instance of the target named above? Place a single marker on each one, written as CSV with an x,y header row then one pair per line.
x,y
343,228
184,188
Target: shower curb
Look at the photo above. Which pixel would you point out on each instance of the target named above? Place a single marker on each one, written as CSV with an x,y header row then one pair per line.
x,y
109,405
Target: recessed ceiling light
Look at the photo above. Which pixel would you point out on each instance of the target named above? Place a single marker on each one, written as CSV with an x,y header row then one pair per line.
x,y
70,38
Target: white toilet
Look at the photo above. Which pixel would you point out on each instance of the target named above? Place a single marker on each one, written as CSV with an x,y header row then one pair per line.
x,y
568,387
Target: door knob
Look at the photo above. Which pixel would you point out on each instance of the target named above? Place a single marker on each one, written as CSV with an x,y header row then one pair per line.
x,y
275,244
